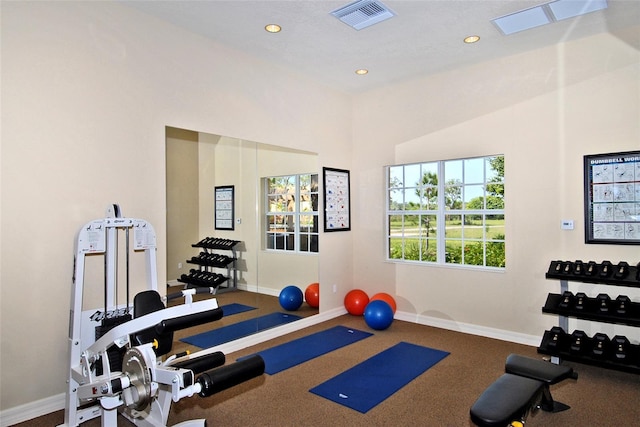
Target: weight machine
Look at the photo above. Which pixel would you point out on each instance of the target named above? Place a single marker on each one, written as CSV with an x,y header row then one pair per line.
x,y
115,356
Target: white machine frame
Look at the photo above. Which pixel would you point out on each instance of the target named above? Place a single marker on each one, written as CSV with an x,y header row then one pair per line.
x,y
143,393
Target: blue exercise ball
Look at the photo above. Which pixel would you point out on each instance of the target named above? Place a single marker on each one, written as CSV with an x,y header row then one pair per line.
x,y
378,315
291,298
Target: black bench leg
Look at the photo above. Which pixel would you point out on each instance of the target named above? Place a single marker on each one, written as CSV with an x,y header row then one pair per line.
x,y
549,405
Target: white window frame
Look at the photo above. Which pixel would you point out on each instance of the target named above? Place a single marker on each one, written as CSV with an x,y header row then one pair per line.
x,y
440,213
270,238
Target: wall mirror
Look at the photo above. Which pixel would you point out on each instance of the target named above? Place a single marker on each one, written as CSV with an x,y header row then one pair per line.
x,y
196,164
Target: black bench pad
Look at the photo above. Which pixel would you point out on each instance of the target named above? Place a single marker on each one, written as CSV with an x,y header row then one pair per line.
x,y
537,369
505,400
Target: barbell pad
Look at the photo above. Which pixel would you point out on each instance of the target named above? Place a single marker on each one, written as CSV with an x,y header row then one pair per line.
x,y
183,322
228,376
203,363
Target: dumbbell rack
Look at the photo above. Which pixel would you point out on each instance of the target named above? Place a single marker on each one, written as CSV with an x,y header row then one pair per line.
x,y
598,350
208,260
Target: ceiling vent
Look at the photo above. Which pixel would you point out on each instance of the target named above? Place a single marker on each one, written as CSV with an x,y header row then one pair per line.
x,y
363,13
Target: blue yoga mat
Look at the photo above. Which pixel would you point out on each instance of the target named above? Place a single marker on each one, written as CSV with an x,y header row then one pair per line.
x,y
239,330
374,380
235,308
298,351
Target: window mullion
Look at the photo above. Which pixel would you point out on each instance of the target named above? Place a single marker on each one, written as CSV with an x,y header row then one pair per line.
x,y
296,218
441,215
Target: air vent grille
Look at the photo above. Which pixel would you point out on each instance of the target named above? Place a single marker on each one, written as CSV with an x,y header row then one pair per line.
x,y
363,13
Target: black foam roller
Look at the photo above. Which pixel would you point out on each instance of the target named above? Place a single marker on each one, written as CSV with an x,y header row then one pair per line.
x,y
183,322
203,363
228,376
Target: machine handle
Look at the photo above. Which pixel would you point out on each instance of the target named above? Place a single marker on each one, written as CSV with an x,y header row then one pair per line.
x,y
197,291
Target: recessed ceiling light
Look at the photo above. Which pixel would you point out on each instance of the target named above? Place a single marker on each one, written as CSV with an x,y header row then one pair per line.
x,y
362,72
273,28
471,39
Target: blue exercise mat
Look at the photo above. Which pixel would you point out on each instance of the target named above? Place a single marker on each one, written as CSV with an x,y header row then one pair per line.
x,y
374,380
235,308
298,351
239,330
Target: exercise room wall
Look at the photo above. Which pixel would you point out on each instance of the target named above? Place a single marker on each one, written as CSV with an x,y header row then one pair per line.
x,y
182,198
543,110
87,91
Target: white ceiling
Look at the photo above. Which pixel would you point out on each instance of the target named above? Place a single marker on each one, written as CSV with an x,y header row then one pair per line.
x,y
424,37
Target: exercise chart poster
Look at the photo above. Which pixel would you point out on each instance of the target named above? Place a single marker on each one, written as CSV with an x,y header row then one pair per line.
x,y
612,198
224,199
337,216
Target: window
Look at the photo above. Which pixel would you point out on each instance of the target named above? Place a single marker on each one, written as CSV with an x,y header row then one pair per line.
x,y
447,212
292,213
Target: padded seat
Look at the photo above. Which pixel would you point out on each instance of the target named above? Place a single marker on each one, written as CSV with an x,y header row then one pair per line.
x,y
523,387
506,400
144,303
537,369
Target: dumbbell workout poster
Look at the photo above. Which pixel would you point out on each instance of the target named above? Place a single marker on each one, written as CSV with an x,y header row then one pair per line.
x,y
612,198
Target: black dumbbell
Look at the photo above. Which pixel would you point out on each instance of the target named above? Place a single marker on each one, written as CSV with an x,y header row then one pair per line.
x,y
621,349
578,268
603,301
567,300
567,267
621,270
555,267
606,269
578,342
581,301
601,346
591,268
621,304
557,338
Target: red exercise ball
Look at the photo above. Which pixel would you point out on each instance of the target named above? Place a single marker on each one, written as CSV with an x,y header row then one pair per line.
x,y
386,298
355,301
312,295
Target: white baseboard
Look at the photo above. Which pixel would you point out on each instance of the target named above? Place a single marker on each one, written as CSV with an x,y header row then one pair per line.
x,y
45,406
31,410
468,328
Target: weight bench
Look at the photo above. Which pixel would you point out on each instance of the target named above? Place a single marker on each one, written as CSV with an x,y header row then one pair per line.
x,y
523,388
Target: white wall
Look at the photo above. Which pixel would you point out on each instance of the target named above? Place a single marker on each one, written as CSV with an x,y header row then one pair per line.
x,y
544,111
87,90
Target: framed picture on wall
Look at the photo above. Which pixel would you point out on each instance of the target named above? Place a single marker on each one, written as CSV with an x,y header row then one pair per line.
x,y
612,198
337,205
223,200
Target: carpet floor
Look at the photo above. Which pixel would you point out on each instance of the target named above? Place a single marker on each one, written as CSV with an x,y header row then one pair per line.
x,y
441,396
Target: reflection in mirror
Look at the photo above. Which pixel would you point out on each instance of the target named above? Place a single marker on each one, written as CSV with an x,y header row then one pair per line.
x,y
275,227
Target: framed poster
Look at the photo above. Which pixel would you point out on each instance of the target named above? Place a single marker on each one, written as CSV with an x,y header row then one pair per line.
x,y
337,207
224,219
612,198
